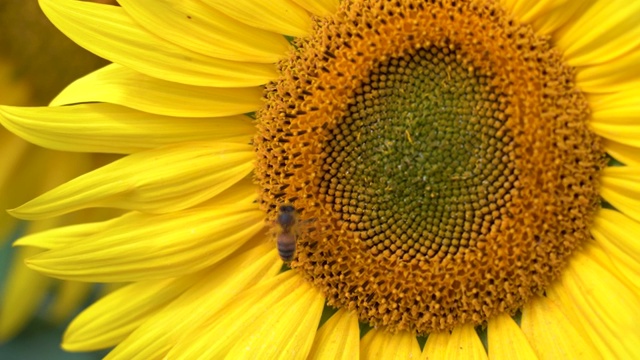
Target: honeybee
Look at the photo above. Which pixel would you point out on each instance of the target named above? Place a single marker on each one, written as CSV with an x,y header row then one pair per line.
x,y
286,240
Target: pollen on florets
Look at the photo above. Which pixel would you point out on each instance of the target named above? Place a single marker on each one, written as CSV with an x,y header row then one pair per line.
x,y
441,151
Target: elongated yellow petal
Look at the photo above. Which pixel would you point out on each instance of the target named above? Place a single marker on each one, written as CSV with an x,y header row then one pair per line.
x,y
319,7
620,74
628,269
620,187
154,338
380,344
276,319
285,331
608,309
608,30
154,246
618,108
436,346
205,30
338,338
122,86
108,128
552,335
22,294
110,33
64,235
59,167
281,16
627,275
465,344
559,14
157,181
626,154
617,235
462,343
617,117
241,192
109,320
526,11
506,340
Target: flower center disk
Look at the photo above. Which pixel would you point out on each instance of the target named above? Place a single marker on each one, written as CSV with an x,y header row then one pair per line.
x,y
438,156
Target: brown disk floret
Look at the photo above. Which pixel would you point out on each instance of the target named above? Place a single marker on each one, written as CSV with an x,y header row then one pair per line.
x,y
439,158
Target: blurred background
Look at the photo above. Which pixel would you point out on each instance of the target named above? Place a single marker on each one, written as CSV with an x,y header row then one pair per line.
x,y
36,62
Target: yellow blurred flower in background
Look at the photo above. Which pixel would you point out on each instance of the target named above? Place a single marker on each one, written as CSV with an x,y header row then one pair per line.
x,y
36,62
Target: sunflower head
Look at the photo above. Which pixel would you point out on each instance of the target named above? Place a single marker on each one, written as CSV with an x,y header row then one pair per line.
x,y
441,152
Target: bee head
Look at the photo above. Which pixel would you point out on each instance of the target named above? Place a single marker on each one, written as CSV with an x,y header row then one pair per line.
x,y
289,209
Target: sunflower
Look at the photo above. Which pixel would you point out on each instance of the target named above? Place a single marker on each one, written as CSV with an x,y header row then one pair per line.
x,y
460,171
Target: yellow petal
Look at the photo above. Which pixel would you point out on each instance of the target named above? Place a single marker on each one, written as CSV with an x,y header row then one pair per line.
x,y
319,7
107,128
608,30
627,274
162,180
620,74
552,335
626,154
281,16
617,117
462,343
109,32
617,235
109,320
29,180
64,235
276,319
59,236
465,344
205,30
436,346
526,11
506,340
621,188
338,338
22,294
242,191
150,247
559,14
122,86
380,344
619,107
607,309
154,338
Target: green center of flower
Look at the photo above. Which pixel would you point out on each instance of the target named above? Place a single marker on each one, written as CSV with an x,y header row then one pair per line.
x,y
411,166
438,157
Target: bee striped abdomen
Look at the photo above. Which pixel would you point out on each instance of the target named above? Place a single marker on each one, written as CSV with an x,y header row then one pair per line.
x,y
286,246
